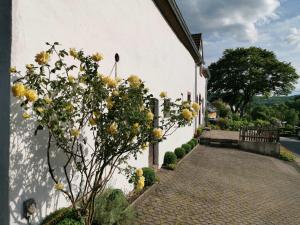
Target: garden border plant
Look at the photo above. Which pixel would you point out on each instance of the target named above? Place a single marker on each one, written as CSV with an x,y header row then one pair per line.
x,y
96,121
179,153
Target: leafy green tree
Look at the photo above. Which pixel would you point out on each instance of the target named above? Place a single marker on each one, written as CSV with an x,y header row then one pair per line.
x,y
291,117
242,73
222,108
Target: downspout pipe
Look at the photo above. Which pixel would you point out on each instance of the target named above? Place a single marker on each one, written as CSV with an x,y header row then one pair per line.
x,y
5,58
196,91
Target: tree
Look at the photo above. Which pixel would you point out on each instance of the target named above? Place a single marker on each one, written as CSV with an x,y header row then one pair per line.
x,y
223,109
94,121
242,73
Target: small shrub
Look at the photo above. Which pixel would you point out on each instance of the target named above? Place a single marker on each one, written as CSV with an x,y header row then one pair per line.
x,y
186,147
59,215
286,155
170,166
198,132
149,175
192,144
170,158
195,141
261,123
223,123
112,207
179,152
69,221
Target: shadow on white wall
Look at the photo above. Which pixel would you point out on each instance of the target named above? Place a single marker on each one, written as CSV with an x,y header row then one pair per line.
x,y
29,176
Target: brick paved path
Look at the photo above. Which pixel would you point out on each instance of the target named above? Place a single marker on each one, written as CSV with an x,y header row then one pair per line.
x,y
224,186
221,134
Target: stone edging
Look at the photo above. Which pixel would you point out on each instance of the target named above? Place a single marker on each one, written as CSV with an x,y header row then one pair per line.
x,y
154,185
186,155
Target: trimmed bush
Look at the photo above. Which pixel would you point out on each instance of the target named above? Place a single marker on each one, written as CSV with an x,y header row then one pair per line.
x,y
179,152
195,141
223,123
192,144
149,175
112,207
60,215
170,166
170,158
186,147
69,221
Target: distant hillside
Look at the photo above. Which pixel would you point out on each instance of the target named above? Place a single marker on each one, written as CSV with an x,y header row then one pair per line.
x,y
273,100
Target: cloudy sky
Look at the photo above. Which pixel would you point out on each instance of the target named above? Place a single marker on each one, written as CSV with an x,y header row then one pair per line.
x,y
270,24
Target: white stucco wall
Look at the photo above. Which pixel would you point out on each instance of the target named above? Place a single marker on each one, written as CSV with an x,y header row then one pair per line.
x,y
147,47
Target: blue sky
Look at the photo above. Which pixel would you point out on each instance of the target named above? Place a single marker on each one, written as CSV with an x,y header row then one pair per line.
x,y
270,24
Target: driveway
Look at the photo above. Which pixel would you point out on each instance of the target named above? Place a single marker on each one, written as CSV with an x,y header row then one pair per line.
x,y
293,144
223,186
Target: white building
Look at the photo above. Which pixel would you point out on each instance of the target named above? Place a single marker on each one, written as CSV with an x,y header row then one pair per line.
x,y
152,40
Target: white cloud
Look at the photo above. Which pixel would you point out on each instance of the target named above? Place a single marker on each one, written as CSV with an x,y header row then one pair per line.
x,y
234,18
294,37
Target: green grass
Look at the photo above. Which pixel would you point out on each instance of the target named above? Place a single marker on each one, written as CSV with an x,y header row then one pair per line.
x,y
286,154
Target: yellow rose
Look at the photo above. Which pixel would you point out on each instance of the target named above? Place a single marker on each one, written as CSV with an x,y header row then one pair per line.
x,y
112,129
134,81
82,80
26,115
75,132
73,52
135,127
163,94
97,57
139,172
140,184
115,93
71,78
69,107
92,121
112,83
145,146
29,66
194,113
12,69
48,100
186,104
149,116
157,133
18,90
105,79
31,95
59,186
196,106
110,103
42,58
40,109
142,179
187,114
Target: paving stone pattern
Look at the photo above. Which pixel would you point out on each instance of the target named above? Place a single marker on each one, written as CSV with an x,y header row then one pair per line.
x,y
221,134
224,186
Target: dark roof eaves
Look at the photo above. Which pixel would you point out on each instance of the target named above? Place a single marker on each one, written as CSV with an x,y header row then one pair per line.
x,y
187,41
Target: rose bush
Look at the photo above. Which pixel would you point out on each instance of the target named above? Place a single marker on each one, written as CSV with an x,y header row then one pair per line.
x,y
98,122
